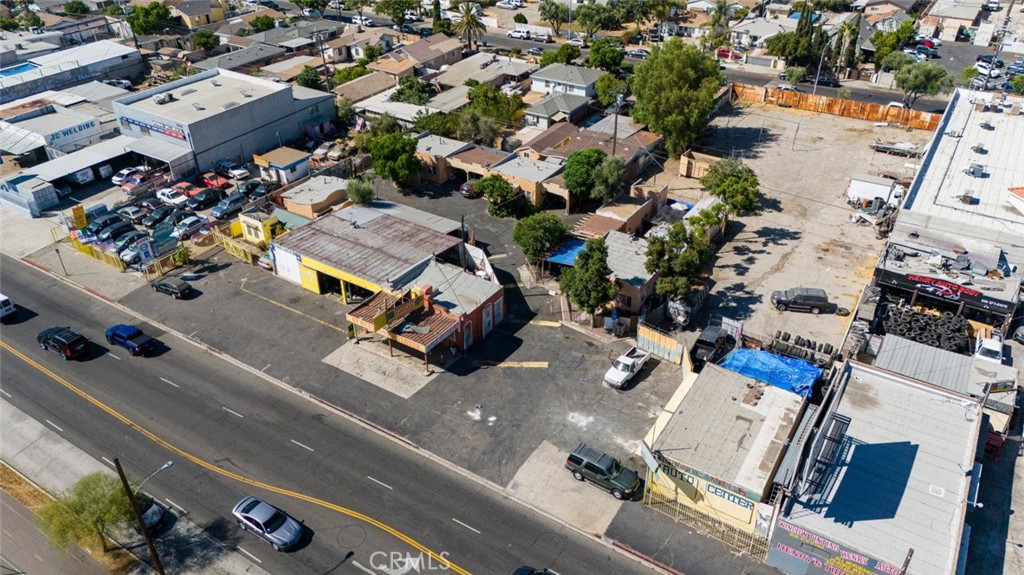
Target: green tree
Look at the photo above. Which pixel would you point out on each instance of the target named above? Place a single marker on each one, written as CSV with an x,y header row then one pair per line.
x,y
394,158
436,10
360,191
922,78
380,126
719,25
499,193
844,93
676,257
608,179
1017,85
795,73
555,13
83,514
395,9
309,78
851,41
519,18
735,183
470,27
444,26
566,54
343,75
477,128
9,24
675,92
967,74
261,23
608,87
605,54
411,91
346,112
76,7
445,125
896,61
490,101
580,169
538,234
592,17
636,11
146,19
205,40
586,283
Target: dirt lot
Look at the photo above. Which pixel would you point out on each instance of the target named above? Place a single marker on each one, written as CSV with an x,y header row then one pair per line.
x,y
801,236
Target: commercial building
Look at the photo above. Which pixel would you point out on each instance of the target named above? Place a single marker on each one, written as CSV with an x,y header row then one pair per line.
x,y
192,123
70,67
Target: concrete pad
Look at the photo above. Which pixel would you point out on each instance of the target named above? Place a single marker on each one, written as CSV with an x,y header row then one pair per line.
x,y
402,375
89,272
21,235
543,482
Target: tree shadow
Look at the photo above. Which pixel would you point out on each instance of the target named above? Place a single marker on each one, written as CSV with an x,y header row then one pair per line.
x,y
770,204
183,548
734,301
774,236
745,142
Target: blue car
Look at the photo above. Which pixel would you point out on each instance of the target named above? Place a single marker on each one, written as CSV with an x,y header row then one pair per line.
x,y
131,338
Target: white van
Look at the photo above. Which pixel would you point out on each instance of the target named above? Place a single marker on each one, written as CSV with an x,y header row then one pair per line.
x,y
6,308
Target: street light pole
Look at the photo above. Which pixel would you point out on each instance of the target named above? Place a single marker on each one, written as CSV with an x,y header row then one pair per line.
x,y
157,565
821,59
151,475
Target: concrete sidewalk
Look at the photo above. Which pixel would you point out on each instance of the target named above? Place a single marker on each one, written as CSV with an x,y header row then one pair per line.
x,y
54,464
25,548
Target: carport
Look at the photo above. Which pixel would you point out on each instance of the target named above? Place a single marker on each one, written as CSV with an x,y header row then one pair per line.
x,y
180,160
95,155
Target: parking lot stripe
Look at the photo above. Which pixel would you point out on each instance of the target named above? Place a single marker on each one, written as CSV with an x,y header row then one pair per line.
x,y
466,526
289,308
379,482
530,364
170,382
176,506
113,356
301,445
251,556
54,426
232,412
109,462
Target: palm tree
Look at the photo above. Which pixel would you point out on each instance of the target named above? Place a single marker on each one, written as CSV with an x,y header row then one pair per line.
x,y
469,25
719,24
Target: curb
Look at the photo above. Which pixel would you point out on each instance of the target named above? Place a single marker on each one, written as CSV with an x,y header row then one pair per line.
x,y
611,543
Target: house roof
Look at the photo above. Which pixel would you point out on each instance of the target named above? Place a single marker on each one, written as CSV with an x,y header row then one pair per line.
x,y
427,143
528,169
480,156
288,69
434,222
562,139
567,74
303,30
456,291
395,63
484,68
955,9
763,27
315,190
450,100
557,102
367,243
370,36
898,475
192,7
254,54
431,47
365,86
626,257
284,156
625,127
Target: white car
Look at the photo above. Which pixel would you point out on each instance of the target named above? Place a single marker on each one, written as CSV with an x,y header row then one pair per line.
x,y
336,5
990,348
412,16
230,169
987,70
520,34
505,6
311,13
171,197
578,42
120,177
934,41
188,226
363,21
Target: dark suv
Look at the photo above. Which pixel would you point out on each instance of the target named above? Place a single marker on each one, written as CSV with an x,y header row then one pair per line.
x,y
63,341
813,300
603,470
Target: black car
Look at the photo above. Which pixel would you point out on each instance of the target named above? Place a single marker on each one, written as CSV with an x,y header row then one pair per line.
x,y
111,233
527,570
157,216
535,51
261,190
247,187
174,287
826,80
150,204
204,199
96,225
63,341
179,216
425,31
990,59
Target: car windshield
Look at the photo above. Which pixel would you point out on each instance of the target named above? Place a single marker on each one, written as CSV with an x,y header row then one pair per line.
x,y
615,470
621,366
275,522
989,353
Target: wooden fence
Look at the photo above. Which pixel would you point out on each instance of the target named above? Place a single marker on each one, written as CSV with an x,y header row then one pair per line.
x,y
915,119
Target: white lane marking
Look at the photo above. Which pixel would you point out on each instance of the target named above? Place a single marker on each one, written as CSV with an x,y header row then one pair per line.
x,y
250,555
232,412
170,382
5,393
113,356
364,569
378,482
54,425
265,368
466,526
179,507
109,462
193,333
301,445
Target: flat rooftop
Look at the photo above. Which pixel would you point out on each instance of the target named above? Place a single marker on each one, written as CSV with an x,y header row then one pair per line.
x,y
972,133
724,430
626,258
315,190
203,96
900,475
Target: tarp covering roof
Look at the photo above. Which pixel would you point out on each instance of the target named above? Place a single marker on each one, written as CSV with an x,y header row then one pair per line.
x,y
788,373
567,253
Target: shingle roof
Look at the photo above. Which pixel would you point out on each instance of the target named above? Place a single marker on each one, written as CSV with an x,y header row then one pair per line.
x,y
558,102
431,47
365,86
245,57
193,7
567,74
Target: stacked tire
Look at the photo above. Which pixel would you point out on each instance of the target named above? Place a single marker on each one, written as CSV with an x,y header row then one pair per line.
x,y
945,331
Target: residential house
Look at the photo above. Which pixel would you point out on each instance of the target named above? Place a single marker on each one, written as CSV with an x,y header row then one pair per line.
x,y
886,6
486,68
433,153
693,24
529,174
365,86
560,107
198,13
242,25
708,6
626,257
301,35
562,139
283,165
426,54
287,70
755,32
351,45
242,60
477,161
566,78
888,21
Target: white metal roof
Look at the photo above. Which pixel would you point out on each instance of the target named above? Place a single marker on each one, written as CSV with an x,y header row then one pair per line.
x,y
94,155
158,149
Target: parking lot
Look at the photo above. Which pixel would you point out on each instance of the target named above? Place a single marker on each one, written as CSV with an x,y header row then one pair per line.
x,y
801,236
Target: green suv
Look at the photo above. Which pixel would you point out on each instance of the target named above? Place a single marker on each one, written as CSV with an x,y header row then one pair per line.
x,y
603,470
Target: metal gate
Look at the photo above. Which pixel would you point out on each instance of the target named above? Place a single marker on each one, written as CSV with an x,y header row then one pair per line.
x,y
659,343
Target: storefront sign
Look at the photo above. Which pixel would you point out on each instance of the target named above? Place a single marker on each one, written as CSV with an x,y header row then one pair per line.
x,y
145,248
797,551
172,131
90,126
680,470
78,216
944,290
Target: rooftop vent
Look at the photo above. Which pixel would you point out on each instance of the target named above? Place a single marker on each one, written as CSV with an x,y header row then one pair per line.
x,y
197,106
978,148
246,94
188,91
162,98
987,126
975,171
215,82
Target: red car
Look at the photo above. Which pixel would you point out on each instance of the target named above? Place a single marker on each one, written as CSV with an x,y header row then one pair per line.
x,y
187,188
212,180
727,54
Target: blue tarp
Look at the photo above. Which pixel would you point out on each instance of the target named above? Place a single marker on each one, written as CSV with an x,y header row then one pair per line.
x,y
567,253
788,373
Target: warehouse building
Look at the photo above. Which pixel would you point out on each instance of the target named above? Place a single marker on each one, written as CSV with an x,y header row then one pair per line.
x,y
194,122
66,68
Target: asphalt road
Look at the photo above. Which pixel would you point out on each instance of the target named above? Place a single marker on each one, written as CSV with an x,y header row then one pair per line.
x,y
304,459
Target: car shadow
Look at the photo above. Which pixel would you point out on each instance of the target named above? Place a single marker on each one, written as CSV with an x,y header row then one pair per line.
x,y
21,315
304,540
159,349
94,351
645,373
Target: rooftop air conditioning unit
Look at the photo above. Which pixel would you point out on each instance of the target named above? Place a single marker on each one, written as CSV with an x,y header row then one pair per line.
x,y
975,170
162,98
978,148
215,82
966,198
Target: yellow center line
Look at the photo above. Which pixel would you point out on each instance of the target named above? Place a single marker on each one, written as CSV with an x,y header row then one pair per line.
x,y
231,475
289,308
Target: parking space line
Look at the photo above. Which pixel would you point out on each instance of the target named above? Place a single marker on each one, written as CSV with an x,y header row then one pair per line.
x,y
109,462
251,556
55,426
169,381
5,393
232,412
176,506
265,368
546,323
113,356
289,308
378,482
530,364
301,445
466,526
193,333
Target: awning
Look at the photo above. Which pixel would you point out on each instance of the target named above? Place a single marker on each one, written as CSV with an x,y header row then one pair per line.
x,y
158,149
13,142
94,155
567,253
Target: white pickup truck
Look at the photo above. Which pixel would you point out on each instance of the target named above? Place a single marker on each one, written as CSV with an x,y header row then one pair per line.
x,y
625,367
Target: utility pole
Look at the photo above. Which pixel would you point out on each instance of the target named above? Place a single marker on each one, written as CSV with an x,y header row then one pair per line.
x,y
462,248
320,44
157,566
615,124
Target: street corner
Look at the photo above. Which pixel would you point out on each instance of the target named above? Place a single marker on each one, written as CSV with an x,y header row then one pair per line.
x,y
544,483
